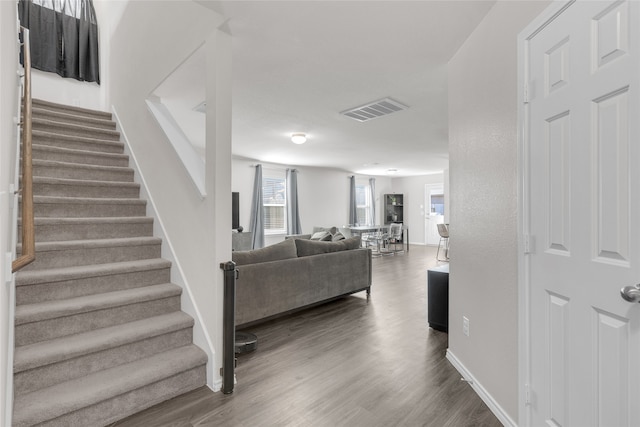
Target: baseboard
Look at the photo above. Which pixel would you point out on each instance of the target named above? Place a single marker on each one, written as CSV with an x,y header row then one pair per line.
x,y
201,337
497,410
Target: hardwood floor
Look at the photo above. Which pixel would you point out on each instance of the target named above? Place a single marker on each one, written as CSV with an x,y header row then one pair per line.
x,y
351,362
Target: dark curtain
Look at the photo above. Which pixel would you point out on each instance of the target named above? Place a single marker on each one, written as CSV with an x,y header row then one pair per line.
x,y
64,37
257,211
294,226
353,207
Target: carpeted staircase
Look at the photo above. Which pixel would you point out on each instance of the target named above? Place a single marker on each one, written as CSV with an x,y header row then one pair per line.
x,y
99,334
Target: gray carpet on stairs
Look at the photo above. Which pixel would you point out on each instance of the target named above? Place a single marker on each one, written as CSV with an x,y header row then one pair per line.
x,y
99,330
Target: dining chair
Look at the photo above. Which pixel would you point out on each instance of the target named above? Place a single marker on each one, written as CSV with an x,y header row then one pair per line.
x,y
394,237
443,231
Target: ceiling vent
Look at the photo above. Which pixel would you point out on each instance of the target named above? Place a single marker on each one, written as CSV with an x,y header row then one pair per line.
x,y
375,109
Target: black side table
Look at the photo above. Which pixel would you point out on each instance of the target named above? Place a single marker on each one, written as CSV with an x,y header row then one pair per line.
x,y
438,298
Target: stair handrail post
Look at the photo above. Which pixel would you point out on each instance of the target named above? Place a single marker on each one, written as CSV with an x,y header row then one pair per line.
x,y
229,326
28,254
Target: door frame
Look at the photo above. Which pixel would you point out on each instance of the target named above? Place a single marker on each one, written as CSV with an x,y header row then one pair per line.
x,y
526,244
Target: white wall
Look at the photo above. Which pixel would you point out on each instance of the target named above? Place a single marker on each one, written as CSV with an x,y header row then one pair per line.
x,y
323,194
413,190
483,162
8,110
143,52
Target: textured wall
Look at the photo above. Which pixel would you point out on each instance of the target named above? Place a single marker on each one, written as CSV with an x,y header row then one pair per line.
x,y
8,110
483,177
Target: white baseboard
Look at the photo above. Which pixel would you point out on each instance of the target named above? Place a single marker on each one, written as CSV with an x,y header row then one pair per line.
x,y
497,410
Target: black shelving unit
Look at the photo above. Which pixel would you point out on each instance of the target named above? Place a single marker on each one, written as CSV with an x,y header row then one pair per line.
x,y
393,208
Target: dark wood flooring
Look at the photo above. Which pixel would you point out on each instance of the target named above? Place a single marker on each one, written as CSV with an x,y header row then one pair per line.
x,y
351,362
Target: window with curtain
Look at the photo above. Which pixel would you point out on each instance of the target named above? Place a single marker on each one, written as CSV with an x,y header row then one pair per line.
x,y
363,203
274,201
64,37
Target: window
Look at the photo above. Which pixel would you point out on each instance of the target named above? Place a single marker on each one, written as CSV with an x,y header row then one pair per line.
x,y
437,204
363,204
274,200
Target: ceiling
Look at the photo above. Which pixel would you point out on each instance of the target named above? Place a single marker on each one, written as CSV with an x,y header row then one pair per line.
x,y
298,64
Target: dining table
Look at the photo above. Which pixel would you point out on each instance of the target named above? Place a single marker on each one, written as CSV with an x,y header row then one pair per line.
x,y
359,230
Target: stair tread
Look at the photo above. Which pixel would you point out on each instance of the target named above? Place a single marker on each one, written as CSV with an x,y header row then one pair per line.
x,y
86,182
25,278
95,243
93,220
60,399
36,312
41,112
74,127
49,135
60,164
87,200
62,150
68,347
56,107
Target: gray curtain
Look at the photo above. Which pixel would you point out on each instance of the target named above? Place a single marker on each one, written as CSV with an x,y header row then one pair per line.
x,y
293,214
64,37
353,213
372,189
257,211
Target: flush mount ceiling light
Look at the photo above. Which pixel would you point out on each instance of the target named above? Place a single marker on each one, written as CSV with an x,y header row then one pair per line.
x,y
298,138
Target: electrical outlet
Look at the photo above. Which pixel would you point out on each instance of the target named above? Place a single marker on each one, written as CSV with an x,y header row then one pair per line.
x,y
465,325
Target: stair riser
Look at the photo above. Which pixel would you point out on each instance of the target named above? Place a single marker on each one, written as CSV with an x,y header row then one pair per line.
x,y
67,117
72,288
67,370
86,189
84,210
88,256
58,171
61,141
126,404
30,333
102,115
61,232
82,158
86,132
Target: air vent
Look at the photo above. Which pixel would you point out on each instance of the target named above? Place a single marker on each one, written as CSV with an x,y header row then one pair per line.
x,y
374,110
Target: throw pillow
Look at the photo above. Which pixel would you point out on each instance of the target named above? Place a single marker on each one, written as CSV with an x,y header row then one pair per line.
x,y
283,250
310,247
337,236
321,235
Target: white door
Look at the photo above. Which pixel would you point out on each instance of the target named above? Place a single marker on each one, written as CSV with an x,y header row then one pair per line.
x,y
433,213
582,210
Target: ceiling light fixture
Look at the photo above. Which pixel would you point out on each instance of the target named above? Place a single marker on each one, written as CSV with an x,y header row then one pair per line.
x,y
298,138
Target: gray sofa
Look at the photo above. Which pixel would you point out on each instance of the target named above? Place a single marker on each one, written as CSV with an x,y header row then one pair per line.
x,y
296,273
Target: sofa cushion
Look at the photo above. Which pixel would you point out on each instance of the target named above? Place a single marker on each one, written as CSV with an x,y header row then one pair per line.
x,y
311,247
321,235
331,230
338,236
283,250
